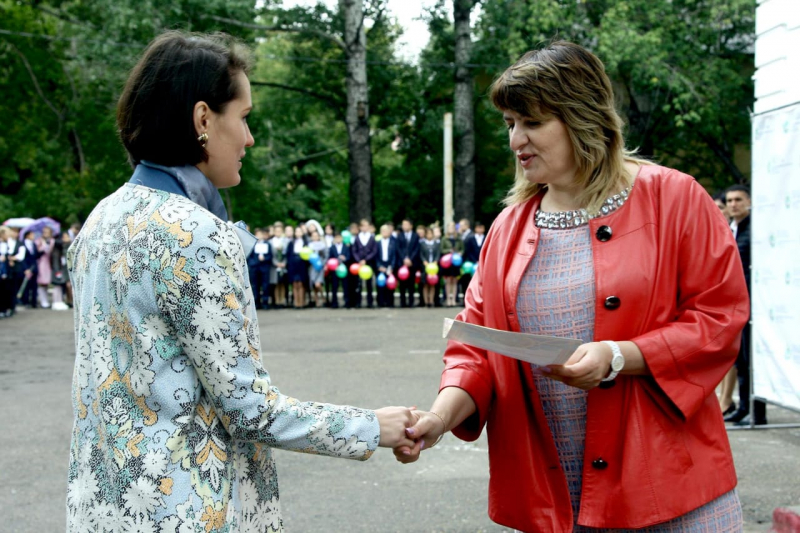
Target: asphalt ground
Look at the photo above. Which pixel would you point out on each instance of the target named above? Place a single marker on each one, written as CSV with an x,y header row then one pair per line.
x,y
369,358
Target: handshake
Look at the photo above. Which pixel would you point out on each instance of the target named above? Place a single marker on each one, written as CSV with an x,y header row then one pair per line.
x,y
409,431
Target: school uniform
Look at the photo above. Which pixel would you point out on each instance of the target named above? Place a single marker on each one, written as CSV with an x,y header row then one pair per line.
x,y
30,272
341,252
259,265
366,249
408,248
387,259
472,247
472,253
15,261
5,281
297,267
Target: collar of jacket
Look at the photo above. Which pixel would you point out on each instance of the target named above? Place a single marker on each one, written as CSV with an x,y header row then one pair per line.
x,y
189,182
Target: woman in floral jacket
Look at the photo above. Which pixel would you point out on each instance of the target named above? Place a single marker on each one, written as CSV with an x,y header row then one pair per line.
x,y
175,416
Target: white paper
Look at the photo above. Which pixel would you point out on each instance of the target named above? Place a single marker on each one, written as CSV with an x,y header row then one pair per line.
x,y
537,349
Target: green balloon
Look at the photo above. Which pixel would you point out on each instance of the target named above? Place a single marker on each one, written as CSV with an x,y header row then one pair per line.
x,y
341,271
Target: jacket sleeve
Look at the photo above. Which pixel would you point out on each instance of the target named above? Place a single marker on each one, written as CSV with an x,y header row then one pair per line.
x,y
467,367
372,250
690,355
213,321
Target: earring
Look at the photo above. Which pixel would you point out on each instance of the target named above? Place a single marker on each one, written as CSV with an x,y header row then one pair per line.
x,y
203,139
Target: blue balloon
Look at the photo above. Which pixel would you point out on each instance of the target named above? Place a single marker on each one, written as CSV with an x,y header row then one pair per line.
x,y
316,264
381,280
314,257
457,260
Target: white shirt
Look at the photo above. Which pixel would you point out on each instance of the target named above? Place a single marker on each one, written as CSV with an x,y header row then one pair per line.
x,y
364,238
479,239
261,248
339,247
408,236
20,253
734,227
329,240
298,245
385,249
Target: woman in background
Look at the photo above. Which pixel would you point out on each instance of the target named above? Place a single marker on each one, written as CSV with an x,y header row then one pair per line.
x,y
451,244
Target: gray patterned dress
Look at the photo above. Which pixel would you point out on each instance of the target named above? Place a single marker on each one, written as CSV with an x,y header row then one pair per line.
x,y
556,297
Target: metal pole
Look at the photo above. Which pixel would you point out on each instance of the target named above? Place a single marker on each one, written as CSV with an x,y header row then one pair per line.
x,y
448,169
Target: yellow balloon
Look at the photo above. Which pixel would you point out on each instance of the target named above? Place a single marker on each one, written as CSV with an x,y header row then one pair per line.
x,y
365,272
432,269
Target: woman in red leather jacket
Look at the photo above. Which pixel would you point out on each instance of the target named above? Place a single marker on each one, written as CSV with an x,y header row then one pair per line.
x,y
636,261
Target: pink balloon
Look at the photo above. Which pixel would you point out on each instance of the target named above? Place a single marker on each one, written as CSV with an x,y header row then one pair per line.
x,y
433,279
354,268
403,273
332,263
391,282
446,261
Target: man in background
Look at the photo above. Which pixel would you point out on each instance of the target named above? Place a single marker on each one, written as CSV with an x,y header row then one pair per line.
x,y
737,201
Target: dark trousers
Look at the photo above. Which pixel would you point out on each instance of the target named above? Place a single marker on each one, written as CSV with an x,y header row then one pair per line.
x,y
5,294
407,291
259,281
743,369
353,291
29,293
385,297
336,283
16,279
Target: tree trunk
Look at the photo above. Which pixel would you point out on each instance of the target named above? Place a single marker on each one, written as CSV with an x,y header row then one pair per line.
x,y
357,115
464,115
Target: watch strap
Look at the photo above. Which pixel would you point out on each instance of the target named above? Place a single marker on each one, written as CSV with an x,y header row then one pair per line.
x,y
617,354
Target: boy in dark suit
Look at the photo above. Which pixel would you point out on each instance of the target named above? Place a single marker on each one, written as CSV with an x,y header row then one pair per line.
x,y
365,250
474,243
386,261
30,270
340,251
259,263
408,256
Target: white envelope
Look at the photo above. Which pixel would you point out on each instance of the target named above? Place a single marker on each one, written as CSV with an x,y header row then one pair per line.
x,y
540,350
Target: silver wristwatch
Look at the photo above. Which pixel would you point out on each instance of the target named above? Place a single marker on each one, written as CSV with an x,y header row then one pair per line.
x,y
617,361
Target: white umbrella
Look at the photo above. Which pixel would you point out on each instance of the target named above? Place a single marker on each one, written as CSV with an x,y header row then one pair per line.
x,y
19,223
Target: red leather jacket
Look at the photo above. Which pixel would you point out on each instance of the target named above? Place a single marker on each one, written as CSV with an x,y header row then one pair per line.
x,y
672,262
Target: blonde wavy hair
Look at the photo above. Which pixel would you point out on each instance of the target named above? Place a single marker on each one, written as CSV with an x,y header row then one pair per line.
x,y
566,81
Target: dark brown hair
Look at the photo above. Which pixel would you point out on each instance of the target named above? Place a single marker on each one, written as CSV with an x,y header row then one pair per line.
x,y
177,70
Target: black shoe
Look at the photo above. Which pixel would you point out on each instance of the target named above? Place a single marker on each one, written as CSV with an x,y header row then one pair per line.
x,y
731,409
746,422
737,415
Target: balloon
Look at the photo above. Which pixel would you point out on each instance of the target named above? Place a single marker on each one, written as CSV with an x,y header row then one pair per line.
x,y
341,271
446,261
381,280
391,283
467,268
305,253
365,272
346,234
418,277
348,239
314,257
432,269
354,268
378,238
333,263
457,259
432,279
403,273
317,264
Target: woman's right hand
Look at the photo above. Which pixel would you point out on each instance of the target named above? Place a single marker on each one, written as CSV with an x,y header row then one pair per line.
x,y
393,423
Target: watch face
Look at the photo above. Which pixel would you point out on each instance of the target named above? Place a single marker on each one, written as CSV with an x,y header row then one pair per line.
x,y
617,363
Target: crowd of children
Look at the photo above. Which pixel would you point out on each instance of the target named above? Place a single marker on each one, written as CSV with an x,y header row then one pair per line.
x,y
290,266
33,269
310,266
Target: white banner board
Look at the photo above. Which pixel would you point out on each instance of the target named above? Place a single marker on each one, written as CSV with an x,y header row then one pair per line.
x,y
775,234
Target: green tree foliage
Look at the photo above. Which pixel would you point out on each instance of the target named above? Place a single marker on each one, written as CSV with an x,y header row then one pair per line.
x,y
681,69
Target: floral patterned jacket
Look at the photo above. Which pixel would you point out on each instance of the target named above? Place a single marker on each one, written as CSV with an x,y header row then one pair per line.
x,y
175,416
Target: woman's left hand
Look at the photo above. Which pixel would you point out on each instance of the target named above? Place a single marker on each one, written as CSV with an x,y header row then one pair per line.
x,y
585,369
